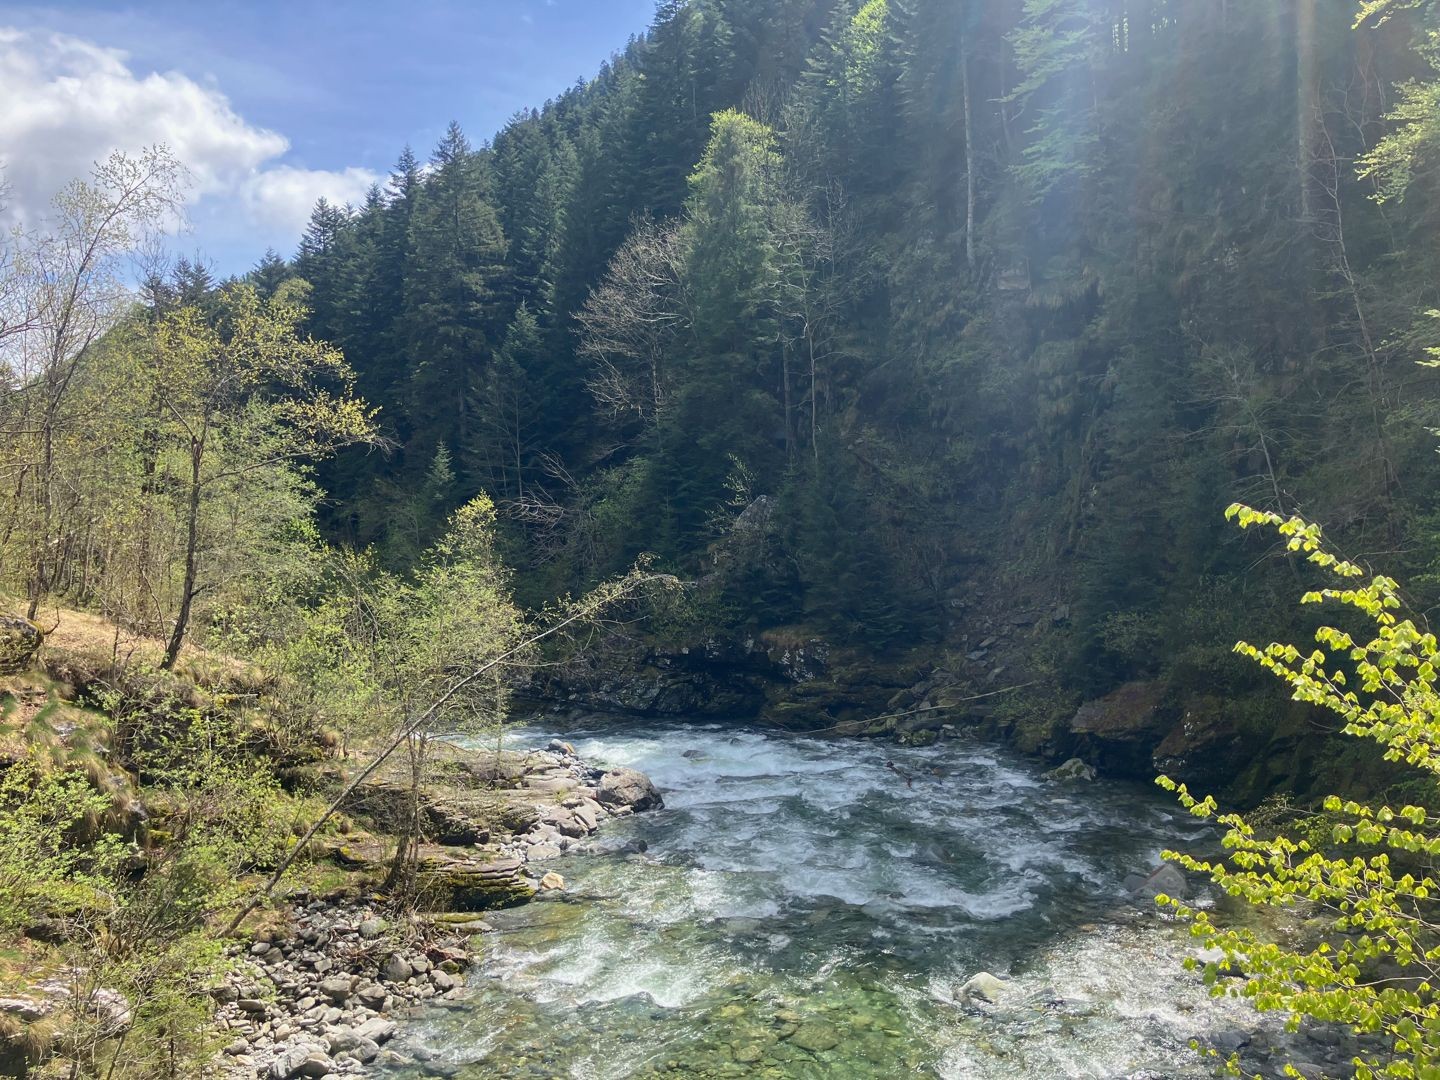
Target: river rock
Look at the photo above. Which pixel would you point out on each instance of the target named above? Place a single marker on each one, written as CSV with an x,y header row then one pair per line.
x,y
364,1051
1167,880
370,929
340,1039
982,986
552,785
395,969
1228,1040
338,988
586,815
472,885
552,881
749,1053
372,996
815,1037
629,790
442,981
377,1029
1119,730
302,1060
1074,769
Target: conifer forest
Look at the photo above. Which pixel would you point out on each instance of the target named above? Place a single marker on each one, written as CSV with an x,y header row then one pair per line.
x,y
738,572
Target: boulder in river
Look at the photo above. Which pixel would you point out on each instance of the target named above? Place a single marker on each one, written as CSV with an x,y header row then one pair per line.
x,y
626,789
1166,880
1074,769
982,986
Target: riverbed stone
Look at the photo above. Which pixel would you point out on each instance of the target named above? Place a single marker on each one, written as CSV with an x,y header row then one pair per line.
x,y
372,996
302,1060
338,988
1167,880
395,969
364,1051
378,1029
749,1053
815,1036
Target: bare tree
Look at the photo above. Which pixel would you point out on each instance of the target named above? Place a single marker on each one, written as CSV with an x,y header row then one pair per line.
x,y
634,320
808,299
68,281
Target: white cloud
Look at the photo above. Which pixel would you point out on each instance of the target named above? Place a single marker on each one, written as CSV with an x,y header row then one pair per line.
x,y
69,102
282,197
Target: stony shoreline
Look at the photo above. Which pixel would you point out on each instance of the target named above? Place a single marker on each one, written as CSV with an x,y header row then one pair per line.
x,y
322,995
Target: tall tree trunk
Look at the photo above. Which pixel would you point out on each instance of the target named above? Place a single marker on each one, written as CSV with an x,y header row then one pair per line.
x,y
814,394
192,535
969,153
1306,99
39,572
789,408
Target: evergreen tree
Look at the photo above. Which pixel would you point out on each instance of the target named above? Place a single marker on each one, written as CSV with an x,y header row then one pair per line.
x,y
456,294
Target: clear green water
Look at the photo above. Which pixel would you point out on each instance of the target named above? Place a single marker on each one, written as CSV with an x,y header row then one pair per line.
x,y
801,912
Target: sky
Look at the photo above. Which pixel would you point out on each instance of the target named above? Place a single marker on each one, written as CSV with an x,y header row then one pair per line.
x,y
272,105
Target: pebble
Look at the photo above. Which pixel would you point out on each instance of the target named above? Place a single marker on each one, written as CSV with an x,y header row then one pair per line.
x,y
330,1007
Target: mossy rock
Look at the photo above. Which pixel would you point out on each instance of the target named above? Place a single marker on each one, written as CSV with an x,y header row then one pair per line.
x,y
20,640
922,737
474,886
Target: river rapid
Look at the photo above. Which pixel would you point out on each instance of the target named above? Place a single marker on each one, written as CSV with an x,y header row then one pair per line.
x,y
805,910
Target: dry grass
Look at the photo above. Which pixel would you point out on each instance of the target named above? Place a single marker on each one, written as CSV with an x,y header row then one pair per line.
x,y
81,642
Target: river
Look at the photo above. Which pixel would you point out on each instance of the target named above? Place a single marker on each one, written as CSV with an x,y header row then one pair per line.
x,y
807,908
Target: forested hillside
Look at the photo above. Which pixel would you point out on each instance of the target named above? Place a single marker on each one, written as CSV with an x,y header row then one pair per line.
x,y
992,304
821,368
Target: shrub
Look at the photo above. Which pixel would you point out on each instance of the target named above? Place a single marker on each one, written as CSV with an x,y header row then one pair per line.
x,y
1374,965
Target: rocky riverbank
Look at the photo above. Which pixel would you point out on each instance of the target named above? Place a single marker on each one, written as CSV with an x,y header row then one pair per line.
x,y
321,994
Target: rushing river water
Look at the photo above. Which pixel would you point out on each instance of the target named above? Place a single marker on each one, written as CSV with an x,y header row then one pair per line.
x,y
802,911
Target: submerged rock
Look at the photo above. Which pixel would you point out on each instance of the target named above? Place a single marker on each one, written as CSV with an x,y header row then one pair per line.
x,y
1166,880
815,1036
983,986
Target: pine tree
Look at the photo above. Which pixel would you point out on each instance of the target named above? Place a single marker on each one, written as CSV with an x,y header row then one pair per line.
x,y
456,294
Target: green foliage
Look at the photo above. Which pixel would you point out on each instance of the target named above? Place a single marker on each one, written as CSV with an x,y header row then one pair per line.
x,y
1410,147
1368,878
49,864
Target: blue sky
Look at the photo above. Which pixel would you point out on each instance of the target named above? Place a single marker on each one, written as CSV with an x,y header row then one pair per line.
x,y
270,104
